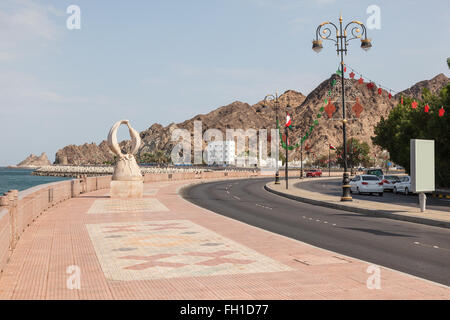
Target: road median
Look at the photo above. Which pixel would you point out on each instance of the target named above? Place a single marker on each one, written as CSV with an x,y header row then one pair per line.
x,y
392,211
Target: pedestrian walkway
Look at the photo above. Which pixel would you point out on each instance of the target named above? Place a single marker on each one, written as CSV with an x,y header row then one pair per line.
x,y
388,210
163,247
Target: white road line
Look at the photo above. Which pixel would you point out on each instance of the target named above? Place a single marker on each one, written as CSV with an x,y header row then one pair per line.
x,y
236,197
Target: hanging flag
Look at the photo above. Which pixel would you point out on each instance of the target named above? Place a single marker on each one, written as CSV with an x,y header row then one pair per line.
x,y
352,75
427,108
441,112
288,121
332,147
361,80
414,104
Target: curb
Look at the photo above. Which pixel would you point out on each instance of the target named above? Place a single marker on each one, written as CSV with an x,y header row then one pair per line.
x,y
377,213
441,196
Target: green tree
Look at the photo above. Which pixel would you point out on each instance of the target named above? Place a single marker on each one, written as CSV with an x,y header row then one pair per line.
x,y
158,157
357,153
405,123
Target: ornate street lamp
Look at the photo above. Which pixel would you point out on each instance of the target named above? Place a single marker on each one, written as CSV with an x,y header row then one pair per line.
x,y
357,31
274,98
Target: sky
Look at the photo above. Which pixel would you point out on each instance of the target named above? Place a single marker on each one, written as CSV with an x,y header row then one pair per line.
x,y
164,61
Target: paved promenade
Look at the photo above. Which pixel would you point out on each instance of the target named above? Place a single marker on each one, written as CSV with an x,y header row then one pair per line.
x,y
163,247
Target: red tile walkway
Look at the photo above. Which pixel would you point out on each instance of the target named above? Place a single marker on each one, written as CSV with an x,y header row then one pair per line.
x,y
163,247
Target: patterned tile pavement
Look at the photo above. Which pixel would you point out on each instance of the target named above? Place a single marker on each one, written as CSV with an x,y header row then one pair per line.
x,y
172,248
163,247
131,206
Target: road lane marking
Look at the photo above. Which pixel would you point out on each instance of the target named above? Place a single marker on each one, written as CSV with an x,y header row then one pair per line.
x,y
262,206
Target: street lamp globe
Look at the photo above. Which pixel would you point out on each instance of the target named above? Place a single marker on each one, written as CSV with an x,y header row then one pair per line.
x,y
366,44
317,45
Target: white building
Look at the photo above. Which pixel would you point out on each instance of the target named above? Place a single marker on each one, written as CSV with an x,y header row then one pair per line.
x,y
221,152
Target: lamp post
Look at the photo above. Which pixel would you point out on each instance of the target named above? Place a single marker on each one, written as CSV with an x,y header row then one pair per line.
x,y
274,98
357,31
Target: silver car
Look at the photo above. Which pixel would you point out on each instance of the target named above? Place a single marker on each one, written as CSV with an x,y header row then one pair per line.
x,y
403,186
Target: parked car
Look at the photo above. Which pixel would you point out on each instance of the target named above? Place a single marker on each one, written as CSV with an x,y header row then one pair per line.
x,y
365,183
389,182
404,185
376,172
314,173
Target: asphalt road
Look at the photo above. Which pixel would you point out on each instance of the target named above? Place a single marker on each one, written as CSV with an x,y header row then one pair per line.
x,y
333,187
420,250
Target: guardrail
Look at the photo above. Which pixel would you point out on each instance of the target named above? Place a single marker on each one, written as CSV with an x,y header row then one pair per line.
x,y
18,210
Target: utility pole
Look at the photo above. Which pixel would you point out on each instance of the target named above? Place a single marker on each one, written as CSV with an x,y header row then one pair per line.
x,y
357,30
301,160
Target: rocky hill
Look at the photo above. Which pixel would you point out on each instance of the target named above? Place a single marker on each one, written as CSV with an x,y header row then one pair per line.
x,y
304,110
434,85
35,161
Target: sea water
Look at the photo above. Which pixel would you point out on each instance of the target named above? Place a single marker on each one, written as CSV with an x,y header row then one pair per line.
x,y
21,179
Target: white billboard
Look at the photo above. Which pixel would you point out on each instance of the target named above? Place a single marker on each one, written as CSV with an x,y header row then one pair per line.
x,y
422,165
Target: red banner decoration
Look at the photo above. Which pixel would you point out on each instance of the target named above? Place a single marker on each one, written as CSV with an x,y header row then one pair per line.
x,y
330,109
372,85
357,108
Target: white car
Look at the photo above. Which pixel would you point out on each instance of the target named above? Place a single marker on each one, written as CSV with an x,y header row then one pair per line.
x,y
389,182
403,186
365,183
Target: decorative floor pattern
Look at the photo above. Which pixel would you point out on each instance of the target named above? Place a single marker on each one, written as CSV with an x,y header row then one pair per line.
x,y
127,205
171,249
150,192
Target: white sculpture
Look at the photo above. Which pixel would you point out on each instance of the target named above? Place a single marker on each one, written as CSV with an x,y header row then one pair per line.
x,y
127,180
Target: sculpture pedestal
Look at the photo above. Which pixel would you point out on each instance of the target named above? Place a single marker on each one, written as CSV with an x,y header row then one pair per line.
x,y
127,189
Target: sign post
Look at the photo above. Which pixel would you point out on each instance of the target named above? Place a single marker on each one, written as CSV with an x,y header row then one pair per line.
x,y
422,169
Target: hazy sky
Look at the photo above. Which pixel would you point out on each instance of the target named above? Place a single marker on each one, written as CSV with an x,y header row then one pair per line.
x,y
166,61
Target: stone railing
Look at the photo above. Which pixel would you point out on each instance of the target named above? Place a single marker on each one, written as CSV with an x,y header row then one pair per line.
x,y
18,210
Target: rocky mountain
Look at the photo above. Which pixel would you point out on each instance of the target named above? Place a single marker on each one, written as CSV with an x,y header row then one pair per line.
x,y
35,161
434,85
303,110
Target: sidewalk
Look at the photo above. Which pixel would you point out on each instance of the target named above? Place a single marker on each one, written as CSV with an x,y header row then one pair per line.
x,y
163,247
392,211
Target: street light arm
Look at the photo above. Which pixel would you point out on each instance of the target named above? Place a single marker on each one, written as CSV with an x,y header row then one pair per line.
x,y
326,32
358,30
